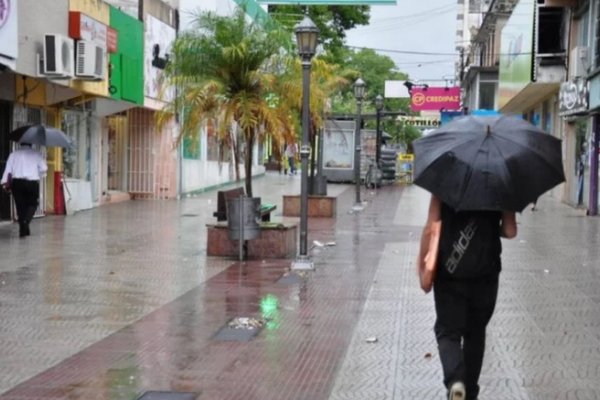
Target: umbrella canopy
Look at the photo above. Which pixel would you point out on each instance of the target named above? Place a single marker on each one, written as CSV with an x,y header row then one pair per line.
x,y
488,163
41,135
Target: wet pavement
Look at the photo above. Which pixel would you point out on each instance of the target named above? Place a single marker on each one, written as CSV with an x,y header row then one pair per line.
x,y
116,301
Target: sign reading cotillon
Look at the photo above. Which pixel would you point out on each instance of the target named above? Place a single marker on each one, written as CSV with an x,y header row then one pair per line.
x,y
573,97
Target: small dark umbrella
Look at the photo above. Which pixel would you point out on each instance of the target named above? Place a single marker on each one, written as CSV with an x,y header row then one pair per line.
x,y
40,135
488,163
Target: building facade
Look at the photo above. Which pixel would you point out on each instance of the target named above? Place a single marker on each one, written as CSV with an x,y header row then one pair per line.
x,y
535,58
94,69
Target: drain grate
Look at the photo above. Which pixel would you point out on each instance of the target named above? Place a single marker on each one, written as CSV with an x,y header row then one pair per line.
x,y
189,215
239,330
292,278
153,395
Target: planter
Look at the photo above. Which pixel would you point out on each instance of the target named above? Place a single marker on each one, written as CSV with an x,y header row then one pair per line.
x,y
275,240
318,206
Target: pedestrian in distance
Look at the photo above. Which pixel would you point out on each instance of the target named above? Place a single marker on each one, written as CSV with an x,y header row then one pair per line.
x,y
465,287
290,152
24,169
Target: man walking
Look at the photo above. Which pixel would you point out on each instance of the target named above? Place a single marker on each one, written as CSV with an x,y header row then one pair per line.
x,y
24,169
465,288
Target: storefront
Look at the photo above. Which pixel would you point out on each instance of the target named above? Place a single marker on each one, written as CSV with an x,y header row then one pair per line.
x,y
573,109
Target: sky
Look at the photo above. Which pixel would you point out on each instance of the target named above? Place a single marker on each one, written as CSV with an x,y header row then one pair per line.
x,y
427,26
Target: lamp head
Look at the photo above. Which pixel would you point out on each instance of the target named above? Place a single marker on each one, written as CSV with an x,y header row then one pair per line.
x,y
379,102
359,89
306,37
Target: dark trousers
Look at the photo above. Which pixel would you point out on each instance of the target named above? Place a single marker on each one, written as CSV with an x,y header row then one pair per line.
x,y
463,310
292,162
26,194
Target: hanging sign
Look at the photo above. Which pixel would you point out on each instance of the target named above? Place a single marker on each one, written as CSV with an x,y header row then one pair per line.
x,y
573,97
434,98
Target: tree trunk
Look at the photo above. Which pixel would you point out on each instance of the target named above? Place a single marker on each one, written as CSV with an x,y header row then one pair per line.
x,y
235,150
248,160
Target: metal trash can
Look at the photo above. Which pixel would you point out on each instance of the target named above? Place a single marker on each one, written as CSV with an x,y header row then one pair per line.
x,y
321,185
243,216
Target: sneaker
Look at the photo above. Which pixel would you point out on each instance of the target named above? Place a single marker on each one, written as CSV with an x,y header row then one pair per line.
x,y
457,391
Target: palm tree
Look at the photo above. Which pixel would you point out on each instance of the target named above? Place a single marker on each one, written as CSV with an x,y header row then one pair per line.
x,y
326,79
219,68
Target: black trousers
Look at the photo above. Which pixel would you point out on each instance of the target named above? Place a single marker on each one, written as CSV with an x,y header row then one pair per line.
x,y
26,194
463,310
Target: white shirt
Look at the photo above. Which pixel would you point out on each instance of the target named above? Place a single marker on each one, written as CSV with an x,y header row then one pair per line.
x,y
25,163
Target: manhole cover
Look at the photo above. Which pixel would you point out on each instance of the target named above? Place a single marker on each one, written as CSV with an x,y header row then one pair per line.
x,y
292,278
240,330
168,396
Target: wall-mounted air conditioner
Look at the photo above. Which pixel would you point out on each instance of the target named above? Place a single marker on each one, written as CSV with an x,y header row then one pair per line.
x,y
89,60
578,61
58,56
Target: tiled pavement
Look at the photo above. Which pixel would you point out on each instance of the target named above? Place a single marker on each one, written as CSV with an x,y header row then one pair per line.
x,y
115,301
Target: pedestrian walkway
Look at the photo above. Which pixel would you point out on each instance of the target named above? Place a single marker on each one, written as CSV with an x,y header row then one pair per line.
x,y
120,300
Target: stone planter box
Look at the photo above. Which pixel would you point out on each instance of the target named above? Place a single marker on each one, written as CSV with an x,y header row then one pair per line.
x,y
276,240
318,206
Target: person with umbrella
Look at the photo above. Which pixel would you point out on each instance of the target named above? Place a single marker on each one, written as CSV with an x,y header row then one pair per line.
x,y
24,169
480,172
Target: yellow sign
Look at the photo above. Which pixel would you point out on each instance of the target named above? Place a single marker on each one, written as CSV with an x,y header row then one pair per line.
x,y
406,157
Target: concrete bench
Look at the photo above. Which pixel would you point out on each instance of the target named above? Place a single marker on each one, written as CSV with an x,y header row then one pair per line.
x,y
224,195
276,240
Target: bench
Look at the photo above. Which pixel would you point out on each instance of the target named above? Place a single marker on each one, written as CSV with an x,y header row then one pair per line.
x,y
224,195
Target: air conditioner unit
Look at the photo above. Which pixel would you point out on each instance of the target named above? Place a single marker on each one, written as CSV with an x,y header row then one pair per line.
x,y
58,56
578,61
89,60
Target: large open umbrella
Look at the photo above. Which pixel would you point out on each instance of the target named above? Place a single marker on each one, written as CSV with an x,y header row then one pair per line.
x,y
488,163
41,135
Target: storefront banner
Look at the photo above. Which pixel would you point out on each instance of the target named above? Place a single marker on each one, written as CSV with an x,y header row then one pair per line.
x,y
573,97
516,52
158,39
331,2
9,46
82,26
435,98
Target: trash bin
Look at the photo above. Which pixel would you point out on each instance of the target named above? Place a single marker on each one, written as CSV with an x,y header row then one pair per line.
x,y
243,217
321,185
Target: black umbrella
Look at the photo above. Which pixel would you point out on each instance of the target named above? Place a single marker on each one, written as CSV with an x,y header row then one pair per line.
x,y
488,163
41,135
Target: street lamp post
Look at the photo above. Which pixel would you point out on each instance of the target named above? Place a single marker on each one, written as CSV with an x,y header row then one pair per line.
x,y
378,108
306,38
359,94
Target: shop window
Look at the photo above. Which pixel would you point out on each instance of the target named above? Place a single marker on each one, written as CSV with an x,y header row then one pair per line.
x,y
191,147
551,33
76,158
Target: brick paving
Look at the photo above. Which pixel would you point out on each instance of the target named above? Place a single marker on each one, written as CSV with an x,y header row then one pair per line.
x,y
120,300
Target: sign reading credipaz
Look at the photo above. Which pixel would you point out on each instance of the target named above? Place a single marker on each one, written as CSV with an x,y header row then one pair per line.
x,y
331,2
435,98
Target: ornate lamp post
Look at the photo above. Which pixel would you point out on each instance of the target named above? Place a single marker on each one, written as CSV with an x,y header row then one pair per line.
x,y
378,107
306,38
359,94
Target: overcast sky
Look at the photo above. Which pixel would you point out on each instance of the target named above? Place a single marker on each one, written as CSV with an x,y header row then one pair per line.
x,y
421,26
